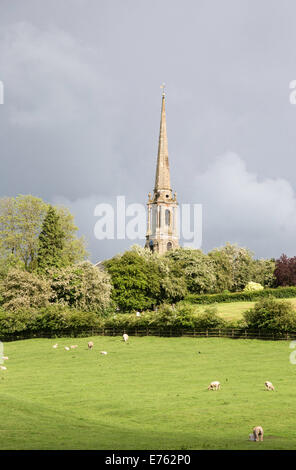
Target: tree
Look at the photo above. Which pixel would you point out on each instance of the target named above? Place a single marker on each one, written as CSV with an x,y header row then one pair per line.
x,y
135,280
285,271
82,286
20,224
21,290
21,220
51,242
198,269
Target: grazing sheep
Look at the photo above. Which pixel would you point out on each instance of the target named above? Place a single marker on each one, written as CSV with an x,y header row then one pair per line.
x,y
269,385
3,367
214,386
67,349
5,358
103,352
125,337
258,431
74,346
55,346
90,345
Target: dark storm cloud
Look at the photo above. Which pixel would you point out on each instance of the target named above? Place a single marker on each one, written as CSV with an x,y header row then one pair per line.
x,y
82,105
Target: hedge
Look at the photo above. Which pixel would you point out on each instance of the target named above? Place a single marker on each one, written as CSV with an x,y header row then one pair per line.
x,y
279,293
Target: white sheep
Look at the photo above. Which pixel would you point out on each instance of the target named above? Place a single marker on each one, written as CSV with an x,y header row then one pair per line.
x,y
103,352
269,385
5,358
3,368
90,345
74,346
67,349
125,337
258,431
214,385
55,346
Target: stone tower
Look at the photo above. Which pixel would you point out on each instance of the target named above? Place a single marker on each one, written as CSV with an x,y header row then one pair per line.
x,y
162,231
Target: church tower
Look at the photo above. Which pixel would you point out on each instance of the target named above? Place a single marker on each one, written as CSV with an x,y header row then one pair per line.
x,y
162,231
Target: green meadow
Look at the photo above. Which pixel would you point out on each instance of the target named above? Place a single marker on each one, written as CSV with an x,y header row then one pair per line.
x,y
233,311
150,393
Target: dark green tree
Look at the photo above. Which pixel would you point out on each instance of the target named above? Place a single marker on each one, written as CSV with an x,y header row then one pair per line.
x,y
51,242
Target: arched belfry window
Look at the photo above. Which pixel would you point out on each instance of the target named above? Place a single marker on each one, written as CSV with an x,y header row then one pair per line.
x,y
167,217
169,246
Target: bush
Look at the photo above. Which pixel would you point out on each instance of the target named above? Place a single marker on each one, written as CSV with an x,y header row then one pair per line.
x,y
23,290
50,319
253,287
271,314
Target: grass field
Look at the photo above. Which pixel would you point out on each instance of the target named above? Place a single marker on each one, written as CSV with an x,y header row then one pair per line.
x,y
234,310
148,394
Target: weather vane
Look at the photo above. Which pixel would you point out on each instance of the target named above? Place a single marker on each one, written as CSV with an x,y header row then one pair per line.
x,y
163,87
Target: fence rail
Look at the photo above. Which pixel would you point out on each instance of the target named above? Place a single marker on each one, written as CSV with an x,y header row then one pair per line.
x,y
235,333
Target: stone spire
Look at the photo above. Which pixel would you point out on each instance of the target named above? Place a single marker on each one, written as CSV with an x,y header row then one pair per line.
x,y
162,177
162,232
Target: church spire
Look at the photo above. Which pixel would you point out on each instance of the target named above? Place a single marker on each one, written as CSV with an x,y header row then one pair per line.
x,y
162,231
162,177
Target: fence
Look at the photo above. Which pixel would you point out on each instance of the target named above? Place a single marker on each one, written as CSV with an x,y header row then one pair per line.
x,y
235,333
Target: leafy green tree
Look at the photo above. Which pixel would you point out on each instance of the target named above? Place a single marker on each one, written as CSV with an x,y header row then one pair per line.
x,y
21,220
223,270
82,286
51,242
20,224
136,281
22,289
198,269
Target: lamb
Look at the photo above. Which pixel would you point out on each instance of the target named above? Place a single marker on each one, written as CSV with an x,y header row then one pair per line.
x,y
90,345
269,385
5,358
214,386
55,346
74,346
67,349
3,368
103,352
125,337
258,431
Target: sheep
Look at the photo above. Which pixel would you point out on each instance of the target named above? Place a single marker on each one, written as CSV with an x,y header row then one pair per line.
x,y
269,385
125,337
214,386
3,368
5,358
90,345
67,349
55,346
103,352
258,431
74,346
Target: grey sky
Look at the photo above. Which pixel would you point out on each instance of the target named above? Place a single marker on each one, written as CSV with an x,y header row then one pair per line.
x,y
82,105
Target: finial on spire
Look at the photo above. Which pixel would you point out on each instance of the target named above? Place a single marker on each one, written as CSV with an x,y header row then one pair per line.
x,y
163,88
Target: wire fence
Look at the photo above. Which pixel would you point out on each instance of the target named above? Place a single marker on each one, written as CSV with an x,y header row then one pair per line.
x,y
234,333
